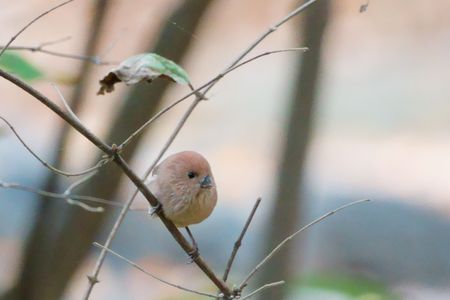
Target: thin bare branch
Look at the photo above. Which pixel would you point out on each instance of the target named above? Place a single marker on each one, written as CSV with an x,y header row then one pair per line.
x,y
54,42
52,106
238,242
278,247
198,90
272,29
64,102
83,205
199,96
302,49
114,152
153,276
20,187
264,287
86,207
96,60
100,164
30,23
129,202
118,160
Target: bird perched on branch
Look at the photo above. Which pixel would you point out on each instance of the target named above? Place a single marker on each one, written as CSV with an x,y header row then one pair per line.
x,y
185,187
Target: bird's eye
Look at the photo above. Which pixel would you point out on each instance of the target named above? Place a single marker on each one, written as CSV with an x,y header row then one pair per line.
x,y
192,174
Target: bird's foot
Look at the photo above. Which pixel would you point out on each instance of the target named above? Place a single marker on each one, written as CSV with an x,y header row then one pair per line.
x,y
193,255
155,210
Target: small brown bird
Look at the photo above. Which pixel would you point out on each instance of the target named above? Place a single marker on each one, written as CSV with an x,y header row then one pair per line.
x,y
185,187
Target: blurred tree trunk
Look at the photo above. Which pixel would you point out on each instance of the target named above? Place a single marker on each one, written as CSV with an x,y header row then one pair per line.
x,y
60,251
36,259
287,206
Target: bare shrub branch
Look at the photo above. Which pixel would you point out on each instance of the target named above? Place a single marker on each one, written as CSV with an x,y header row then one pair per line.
x,y
20,187
64,102
198,90
278,247
100,164
129,202
259,290
151,275
238,242
114,151
30,23
83,205
96,59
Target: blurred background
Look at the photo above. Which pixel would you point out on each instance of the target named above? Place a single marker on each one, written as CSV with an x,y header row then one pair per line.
x,y
363,114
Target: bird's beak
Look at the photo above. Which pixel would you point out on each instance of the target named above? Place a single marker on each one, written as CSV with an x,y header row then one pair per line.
x,y
206,182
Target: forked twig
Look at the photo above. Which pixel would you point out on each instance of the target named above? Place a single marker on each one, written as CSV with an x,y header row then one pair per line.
x,y
117,158
64,102
277,248
83,205
151,275
30,23
96,60
20,187
200,95
93,278
238,242
198,90
100,164
264,287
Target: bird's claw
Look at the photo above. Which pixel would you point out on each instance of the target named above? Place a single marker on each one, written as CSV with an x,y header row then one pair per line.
x,y
155,209
193,255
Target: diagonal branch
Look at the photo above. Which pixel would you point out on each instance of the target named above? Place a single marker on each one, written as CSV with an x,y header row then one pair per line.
x,y
66,117
238,242
75,202
30,23
96,60
197,91
259,290
100,164
277,248
20,187
151,275
129,202
114,150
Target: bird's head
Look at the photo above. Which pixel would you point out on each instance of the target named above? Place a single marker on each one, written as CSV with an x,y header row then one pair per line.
x,y
189,171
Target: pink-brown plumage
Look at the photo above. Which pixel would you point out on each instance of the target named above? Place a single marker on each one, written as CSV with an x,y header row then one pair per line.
x,y
184,185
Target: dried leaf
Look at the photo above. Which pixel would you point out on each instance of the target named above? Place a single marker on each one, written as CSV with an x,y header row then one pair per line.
x,y
143,67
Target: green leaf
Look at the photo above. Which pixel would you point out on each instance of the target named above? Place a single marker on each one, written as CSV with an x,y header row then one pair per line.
x,y
16,64
143,67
